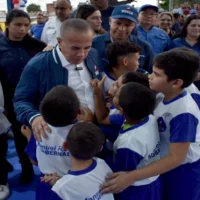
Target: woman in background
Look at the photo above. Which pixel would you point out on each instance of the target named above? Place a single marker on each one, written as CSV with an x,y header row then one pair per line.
x,y
93,16
166,20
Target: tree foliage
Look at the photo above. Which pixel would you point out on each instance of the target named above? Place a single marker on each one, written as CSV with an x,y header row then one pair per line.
x,y
33,8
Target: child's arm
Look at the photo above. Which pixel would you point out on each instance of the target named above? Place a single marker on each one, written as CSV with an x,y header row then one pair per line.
x,y
50,178
117,182
100,109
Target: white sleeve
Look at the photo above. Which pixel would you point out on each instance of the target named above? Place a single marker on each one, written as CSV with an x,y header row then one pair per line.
x,y
61,190
44,33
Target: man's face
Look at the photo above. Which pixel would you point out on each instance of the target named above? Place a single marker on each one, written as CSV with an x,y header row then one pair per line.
x,y
120,29
62,9
40,19
76,46
148,16
100,3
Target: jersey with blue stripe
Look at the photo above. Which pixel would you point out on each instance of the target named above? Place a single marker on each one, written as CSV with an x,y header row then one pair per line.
x,y
178,121
137,147
50,154
84,184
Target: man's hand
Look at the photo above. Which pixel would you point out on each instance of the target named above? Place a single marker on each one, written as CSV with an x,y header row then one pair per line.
x,y
50,178
48,48
86,115
116,183
39,126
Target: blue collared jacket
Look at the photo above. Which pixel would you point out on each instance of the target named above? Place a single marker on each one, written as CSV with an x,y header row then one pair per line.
x,y
181,42
157,38
41,74
146,55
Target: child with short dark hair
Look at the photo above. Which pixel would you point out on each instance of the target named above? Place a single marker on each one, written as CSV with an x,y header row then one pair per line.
x,y
123,56
178,119
83,180
138,143
59,108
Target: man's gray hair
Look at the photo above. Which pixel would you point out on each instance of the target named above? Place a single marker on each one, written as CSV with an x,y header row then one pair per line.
x,y
78,25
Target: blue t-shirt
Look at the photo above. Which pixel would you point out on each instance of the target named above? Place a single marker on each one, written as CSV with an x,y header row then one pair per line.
x,y
36,31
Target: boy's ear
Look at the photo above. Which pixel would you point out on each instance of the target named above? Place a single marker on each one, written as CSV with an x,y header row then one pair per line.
x,y
177,83
65,146
125,61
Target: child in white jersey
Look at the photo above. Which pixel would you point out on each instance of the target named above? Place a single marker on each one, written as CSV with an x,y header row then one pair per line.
x,y
178,119
59,108
83,181
138,143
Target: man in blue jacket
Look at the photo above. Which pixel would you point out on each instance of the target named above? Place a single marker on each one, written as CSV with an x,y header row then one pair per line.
x,y
122,22
71,63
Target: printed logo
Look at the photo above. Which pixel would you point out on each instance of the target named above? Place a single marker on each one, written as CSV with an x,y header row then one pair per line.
x,y
97,196
127,11
96,70
161,124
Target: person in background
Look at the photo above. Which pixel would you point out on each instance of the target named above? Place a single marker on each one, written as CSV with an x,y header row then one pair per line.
x,y
193,12
122,23
105,9
190,38
36,30
176,26
52,28
166,20
17,47
146,29
93,16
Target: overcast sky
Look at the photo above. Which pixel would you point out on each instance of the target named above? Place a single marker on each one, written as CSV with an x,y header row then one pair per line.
x,y
74,3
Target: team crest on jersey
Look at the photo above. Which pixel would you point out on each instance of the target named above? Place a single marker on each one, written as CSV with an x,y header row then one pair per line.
x,y
161,124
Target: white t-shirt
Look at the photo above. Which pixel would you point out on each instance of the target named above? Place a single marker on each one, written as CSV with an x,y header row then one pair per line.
x,y
178,121
50,154
137,147
84,184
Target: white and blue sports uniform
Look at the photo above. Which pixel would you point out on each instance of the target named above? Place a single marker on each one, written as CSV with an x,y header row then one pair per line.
x,y
50,157
195,93
179,121
84,184
135,148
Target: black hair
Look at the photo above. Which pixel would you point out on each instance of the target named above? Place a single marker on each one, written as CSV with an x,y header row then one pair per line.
x,y
176,15
15,14
119,49
179,63
60,106
85,140
85,10
137,101
185,25
78,25
137,77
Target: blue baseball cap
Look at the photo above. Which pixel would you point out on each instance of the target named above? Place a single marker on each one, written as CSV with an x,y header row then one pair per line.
x,y
125,12
193,11
146,6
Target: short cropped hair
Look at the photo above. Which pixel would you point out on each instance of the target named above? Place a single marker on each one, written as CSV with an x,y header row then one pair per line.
x,y
78,25
119,49
85,140
176,15
137,101
179,63
60,106
136,77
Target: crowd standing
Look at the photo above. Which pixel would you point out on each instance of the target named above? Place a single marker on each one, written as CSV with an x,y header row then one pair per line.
x,y
104,100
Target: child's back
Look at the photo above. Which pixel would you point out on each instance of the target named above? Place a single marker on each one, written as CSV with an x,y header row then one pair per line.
x,y
84,184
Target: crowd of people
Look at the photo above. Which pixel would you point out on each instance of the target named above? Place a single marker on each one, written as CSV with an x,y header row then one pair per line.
x,y
104,100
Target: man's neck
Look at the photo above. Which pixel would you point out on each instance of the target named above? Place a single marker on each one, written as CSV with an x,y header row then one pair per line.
x,y
171,95
146,27
103,8
78,165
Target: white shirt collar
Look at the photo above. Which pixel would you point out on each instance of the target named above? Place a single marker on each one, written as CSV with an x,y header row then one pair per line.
x,y
63,60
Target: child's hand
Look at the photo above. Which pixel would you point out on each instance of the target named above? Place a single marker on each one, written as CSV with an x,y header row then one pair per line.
x,y
26,131
48,48
86,115
98,85
50,178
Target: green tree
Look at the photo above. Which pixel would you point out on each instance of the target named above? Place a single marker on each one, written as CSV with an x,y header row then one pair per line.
x,y
33,8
